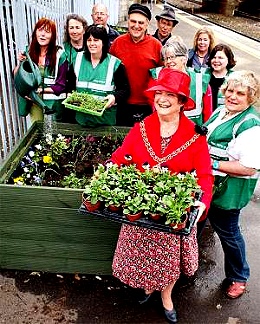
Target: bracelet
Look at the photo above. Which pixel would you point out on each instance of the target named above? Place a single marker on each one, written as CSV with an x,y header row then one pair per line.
x,y
215,165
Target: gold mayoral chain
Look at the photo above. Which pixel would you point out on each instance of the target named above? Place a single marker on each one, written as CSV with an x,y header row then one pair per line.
x,y
169,156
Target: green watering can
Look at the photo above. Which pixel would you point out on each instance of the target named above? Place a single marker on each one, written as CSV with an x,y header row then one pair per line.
x,y
27,80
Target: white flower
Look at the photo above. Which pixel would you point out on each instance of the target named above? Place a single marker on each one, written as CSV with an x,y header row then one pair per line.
x,y
48,138
60,137
180,176
38,147
26,170
164,169
31,154
28,176
109,165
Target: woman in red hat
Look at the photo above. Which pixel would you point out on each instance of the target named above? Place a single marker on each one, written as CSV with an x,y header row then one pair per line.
x,y
165,138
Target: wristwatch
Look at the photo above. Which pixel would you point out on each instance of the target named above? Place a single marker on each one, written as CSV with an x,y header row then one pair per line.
x,y
215,165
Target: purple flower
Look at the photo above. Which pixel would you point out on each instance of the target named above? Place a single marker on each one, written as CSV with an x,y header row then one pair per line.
x,y
90,139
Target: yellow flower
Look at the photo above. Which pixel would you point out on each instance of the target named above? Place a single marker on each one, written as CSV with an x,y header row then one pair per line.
x,y
47,159
18,180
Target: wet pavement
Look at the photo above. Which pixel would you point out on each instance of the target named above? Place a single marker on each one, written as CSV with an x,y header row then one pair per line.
x,y
35,297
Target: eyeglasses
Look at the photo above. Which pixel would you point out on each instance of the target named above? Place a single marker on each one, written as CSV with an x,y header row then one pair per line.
x,y
172,57
99,14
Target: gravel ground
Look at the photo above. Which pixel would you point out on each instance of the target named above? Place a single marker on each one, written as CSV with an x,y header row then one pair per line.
x,y
246,26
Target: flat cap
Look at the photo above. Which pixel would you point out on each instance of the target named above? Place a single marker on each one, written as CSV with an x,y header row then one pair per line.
x,y
138,8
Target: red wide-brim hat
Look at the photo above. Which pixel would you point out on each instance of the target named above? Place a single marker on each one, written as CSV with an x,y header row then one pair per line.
x,y
176,82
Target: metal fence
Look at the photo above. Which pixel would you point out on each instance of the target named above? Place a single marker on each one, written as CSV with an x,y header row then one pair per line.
x,y
17,20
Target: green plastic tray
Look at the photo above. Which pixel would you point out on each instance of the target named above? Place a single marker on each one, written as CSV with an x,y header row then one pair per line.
x,y
84,110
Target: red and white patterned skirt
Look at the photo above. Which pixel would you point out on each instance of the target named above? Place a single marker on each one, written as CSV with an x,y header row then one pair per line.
x,y
151,260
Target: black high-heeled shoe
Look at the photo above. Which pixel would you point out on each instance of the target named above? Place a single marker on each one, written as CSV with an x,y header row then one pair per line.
x,y
144,298
171,315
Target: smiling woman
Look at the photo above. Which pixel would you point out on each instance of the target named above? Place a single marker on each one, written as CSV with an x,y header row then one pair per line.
x,y
233,133
203,43
52,65
100,74
167,139
221,62
74,31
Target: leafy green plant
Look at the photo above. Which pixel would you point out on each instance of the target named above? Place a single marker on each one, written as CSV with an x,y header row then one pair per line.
x,y
72,181
152,205
133,205
154,191
86,101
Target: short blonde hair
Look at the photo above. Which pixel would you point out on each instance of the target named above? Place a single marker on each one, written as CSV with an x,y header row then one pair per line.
x,y
245,79
209,32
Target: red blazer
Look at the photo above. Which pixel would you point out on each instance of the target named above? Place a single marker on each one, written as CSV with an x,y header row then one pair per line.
x,y
195,157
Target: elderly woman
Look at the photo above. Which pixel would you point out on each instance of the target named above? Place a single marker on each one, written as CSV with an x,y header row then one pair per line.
x,y
167,138
100,74
234,130
174,56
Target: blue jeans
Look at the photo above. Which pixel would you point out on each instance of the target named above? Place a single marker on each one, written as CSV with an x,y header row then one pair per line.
x,y
225,223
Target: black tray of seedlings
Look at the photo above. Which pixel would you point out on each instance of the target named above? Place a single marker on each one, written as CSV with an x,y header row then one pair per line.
x,y
145,220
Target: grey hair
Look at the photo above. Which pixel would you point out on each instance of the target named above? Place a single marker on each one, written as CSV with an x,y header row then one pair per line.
x,y
245,79
176,45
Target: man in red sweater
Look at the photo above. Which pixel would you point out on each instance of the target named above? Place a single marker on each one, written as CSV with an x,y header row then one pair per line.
x,y
139,52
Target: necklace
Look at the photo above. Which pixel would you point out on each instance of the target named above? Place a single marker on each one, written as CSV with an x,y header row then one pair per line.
x,y
168,157
200,55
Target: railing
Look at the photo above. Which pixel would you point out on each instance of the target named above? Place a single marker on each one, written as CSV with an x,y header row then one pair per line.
x,y
17,19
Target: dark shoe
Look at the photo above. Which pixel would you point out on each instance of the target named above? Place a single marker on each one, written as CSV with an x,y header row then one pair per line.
x,y
144,298
225,284
236,289
171,315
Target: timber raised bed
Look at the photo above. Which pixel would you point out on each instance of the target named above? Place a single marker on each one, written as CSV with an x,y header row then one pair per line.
x,y
41,228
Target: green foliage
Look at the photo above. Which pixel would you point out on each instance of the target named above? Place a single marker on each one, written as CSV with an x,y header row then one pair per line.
x,y
155,191
86,101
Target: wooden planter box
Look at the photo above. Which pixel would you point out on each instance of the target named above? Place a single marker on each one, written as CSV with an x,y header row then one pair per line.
x,y
41,228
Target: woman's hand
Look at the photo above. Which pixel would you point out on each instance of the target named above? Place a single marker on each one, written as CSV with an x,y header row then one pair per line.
x,y
111,100
21,57
201,208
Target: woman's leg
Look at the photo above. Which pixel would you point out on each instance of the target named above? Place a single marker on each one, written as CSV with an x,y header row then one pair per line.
x,y
226,225
166,295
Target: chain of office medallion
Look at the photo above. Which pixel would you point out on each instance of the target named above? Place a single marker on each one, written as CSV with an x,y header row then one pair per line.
x,y
169,156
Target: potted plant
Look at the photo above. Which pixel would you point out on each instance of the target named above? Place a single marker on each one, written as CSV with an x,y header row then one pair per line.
x,y
175,205
133,207
92,195
152,206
